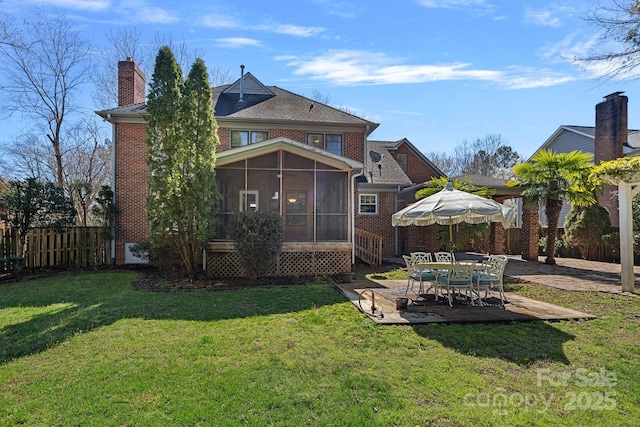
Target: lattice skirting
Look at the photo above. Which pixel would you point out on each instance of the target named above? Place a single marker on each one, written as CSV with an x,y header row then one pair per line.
x,y
294,260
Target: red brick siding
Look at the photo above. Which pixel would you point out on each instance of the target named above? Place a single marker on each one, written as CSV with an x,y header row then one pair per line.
x,y
496,244
353,145
379,224
353,142
611,134
418,238
131,178
294,134
529,233
417,170
131,83
224,136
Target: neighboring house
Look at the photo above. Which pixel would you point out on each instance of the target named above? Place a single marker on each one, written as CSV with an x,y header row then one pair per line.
x,y
279,152
609,139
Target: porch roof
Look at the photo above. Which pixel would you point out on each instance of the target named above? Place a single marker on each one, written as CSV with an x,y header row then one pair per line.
x,y
291,146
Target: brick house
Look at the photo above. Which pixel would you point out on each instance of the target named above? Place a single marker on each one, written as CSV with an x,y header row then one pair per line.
x,y
278,152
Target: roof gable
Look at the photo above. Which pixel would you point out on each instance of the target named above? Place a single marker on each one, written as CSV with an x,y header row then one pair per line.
x,y
569,138
394,145
269,146
248,85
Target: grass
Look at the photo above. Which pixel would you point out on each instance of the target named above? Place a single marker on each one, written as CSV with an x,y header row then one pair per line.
x,y
87,349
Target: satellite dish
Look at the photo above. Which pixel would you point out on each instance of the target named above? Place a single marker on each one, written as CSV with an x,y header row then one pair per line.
x,y
375,156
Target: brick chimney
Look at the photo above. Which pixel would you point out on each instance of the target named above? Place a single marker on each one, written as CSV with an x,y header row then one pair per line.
x,y
611,134
611,127
131,83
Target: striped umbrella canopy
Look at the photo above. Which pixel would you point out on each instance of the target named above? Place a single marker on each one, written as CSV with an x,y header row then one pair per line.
x,y
450,206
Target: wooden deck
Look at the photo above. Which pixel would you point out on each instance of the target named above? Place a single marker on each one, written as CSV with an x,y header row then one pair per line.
x,y
365,293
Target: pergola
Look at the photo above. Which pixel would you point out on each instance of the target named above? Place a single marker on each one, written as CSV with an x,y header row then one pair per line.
x,y
628,187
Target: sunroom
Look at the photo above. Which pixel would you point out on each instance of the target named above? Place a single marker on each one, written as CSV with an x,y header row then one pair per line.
x,y
311,188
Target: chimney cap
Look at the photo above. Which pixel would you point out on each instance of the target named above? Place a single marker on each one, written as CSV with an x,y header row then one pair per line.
x,y
613,95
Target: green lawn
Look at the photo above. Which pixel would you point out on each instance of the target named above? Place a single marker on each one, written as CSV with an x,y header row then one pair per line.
x,y
87,349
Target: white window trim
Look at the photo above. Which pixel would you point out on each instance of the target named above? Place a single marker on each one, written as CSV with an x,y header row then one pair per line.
x,y
377,200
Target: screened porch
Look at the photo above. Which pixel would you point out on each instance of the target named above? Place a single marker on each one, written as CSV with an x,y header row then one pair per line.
x,y
308,187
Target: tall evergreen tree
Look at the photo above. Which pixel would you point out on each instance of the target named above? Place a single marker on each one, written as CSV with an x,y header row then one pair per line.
x,y
195,158
182,138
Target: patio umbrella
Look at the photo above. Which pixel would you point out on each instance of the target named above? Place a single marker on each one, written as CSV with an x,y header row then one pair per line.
x,y
450,206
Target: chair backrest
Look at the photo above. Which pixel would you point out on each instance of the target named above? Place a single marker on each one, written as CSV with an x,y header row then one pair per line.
x,y
420,257
444,257
494,266
461,272
408,261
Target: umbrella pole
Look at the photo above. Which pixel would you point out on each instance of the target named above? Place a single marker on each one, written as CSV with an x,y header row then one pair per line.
x,y
450,236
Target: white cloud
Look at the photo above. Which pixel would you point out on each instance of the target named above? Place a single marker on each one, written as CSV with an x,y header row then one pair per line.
x,y
530,78
226,22
93,5
236,42
143,12
549,16
293,30
218,21
353,68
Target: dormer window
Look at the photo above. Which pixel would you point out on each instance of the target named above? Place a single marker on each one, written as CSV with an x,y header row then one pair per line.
x,y
245,137
328,142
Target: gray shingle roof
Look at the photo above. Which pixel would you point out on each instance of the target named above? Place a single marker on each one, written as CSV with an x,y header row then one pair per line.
x,y
139,108
282,105
390,172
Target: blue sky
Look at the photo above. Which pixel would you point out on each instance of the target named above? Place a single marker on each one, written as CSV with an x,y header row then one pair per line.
x,y
437,72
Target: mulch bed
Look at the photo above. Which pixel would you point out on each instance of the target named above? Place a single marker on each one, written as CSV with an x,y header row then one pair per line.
x,y
153,279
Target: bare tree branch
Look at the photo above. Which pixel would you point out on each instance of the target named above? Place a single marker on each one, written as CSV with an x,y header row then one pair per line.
x,y
50,64
617,52
488,156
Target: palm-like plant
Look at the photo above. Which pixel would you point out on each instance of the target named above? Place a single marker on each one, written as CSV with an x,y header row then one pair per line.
x,y
550,177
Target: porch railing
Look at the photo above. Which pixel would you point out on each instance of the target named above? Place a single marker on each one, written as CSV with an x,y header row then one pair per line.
x,y
368,247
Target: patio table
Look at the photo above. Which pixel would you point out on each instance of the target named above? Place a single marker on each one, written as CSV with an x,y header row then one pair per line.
x,y
442,269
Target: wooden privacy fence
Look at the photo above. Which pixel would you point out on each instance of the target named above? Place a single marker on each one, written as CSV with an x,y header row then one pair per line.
x,y
75,247
8,243
368,247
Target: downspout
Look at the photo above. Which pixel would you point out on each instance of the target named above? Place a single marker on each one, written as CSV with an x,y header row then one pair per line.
x,y
113,186
364,148
353,215
395,229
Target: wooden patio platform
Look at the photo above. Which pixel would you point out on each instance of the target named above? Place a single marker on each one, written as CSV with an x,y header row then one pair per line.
x,y
364,293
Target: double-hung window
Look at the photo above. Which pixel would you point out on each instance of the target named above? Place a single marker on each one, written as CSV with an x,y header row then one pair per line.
x,y
328,142
245,137
368,204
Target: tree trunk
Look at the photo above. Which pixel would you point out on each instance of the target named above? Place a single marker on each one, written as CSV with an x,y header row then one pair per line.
x,y
552,211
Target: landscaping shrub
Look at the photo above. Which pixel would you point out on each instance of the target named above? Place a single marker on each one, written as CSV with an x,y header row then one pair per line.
x,y
258,237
